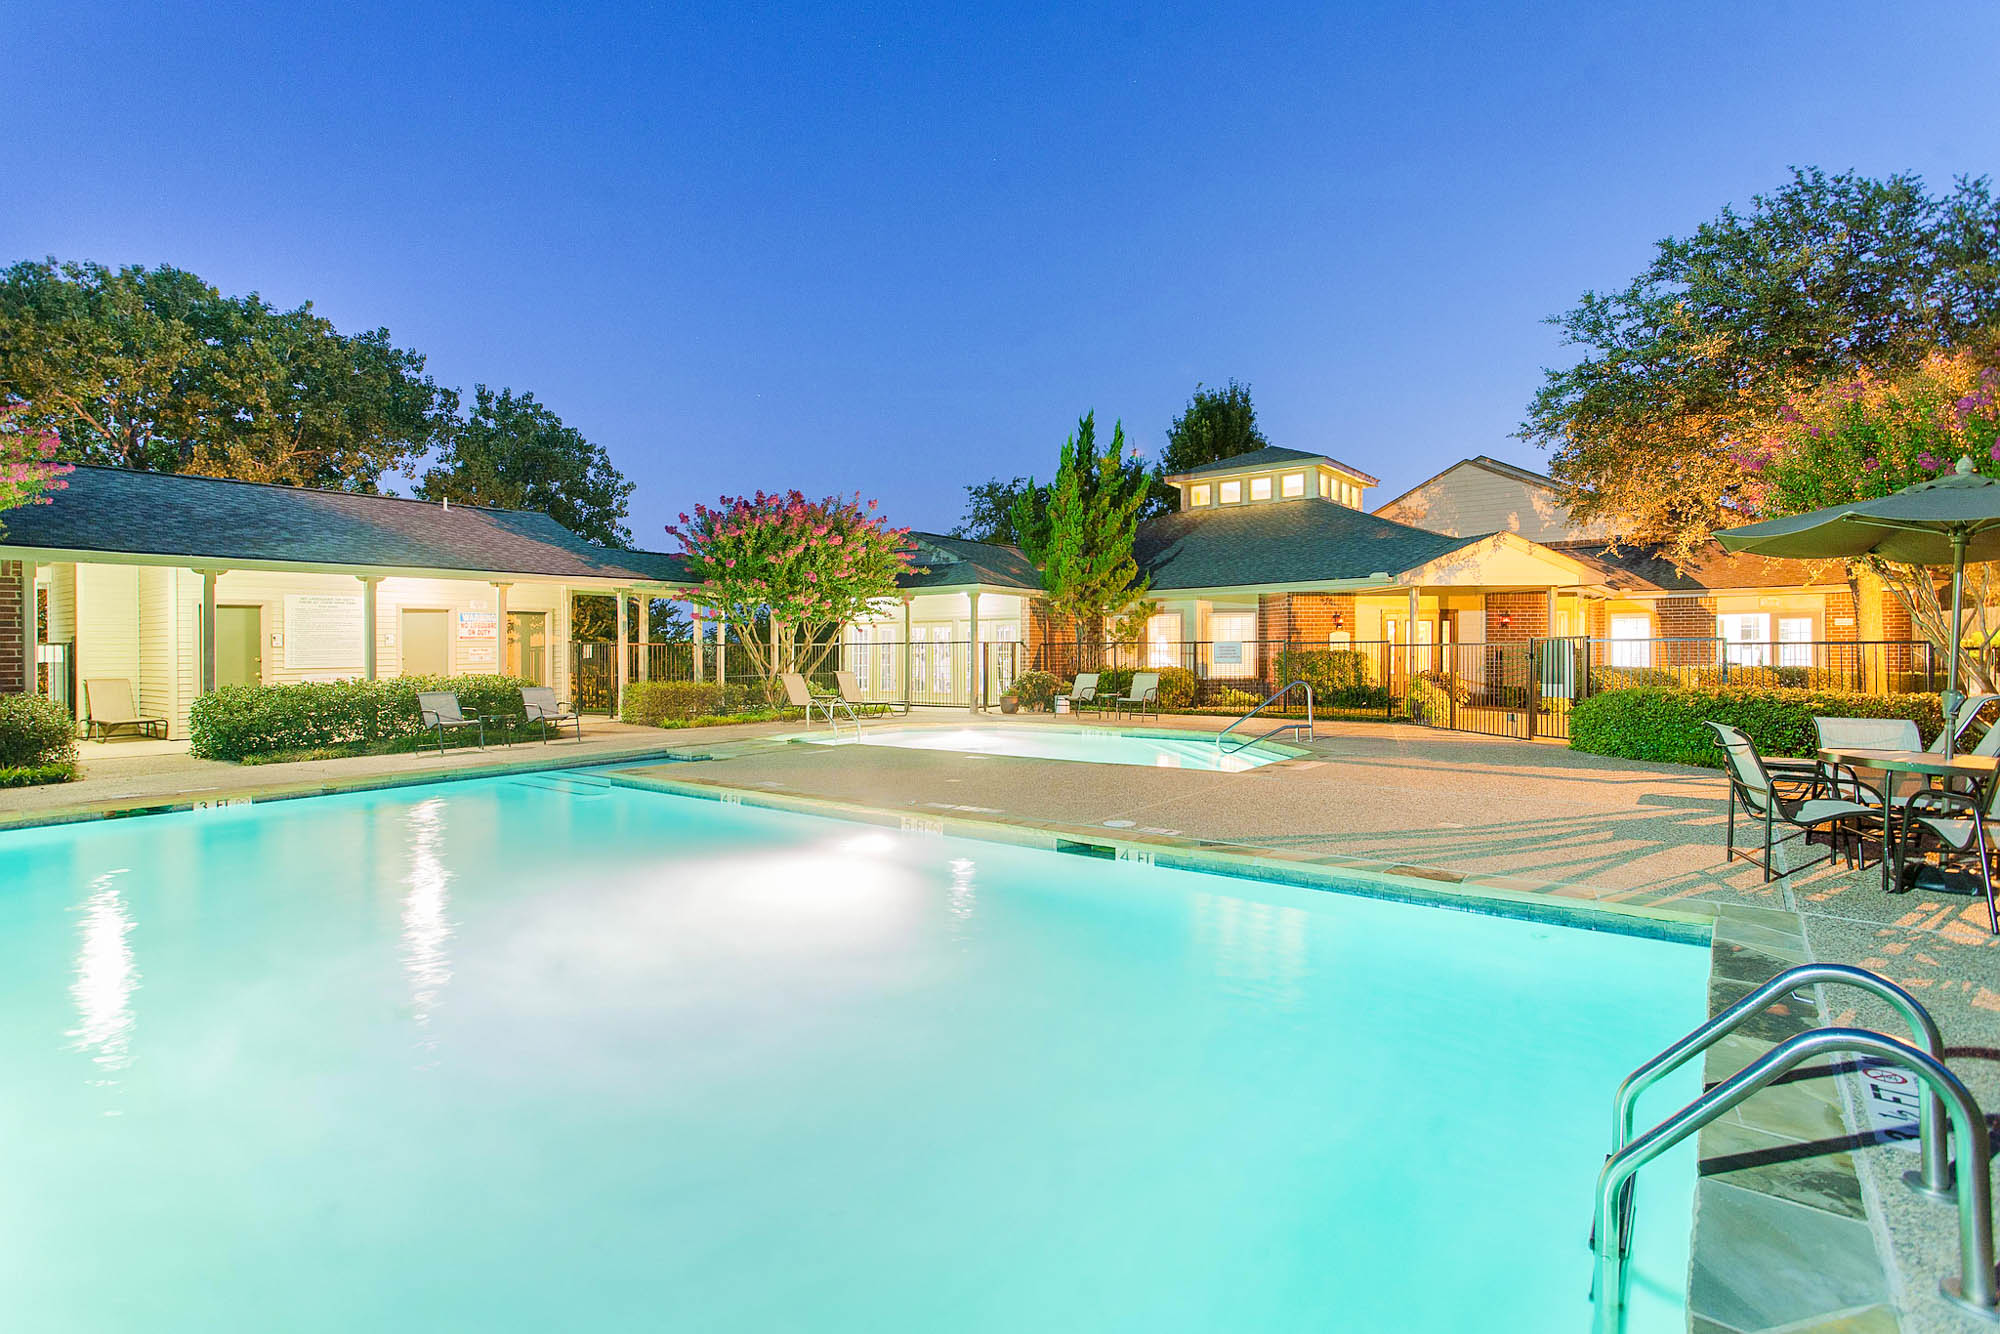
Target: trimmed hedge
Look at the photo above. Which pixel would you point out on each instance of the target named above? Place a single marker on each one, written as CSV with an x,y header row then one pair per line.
x,y
36,775
1339,678
35,733
1666,725
233,722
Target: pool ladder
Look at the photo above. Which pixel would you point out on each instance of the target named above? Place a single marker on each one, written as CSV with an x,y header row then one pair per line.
x,y
1300,731
1945,1099
826,705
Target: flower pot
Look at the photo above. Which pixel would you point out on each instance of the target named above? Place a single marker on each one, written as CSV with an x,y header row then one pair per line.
x,y
1008,704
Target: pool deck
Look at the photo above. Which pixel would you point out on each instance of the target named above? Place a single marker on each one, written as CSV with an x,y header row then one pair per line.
x,y
1795,1231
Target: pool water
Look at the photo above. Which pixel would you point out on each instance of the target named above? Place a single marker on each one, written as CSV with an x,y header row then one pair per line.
x,y
1158,750
540,1053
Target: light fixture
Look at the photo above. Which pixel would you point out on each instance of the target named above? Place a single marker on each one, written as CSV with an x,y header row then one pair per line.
x,y
1506,619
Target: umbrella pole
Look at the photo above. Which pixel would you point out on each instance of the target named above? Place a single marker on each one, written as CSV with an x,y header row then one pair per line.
x,y
1951,696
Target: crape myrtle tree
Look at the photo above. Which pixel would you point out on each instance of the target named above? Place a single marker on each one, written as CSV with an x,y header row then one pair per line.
x,y
1081,533
780,572
1824,277
29,470
1870,434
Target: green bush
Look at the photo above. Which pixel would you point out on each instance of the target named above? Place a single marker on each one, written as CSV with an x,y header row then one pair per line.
x,y
1114,683
1036,690
1339,678
650,703
233,722
35,775
35,732
1667,725
1709,678
1177,688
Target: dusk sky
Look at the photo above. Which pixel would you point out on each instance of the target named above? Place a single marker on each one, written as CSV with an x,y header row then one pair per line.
x,y
900,251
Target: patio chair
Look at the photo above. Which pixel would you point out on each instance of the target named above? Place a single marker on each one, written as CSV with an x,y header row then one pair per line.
x,y
850,694
1960,825
1752,784
1143,693
540,705
1083,693
799,694
108,702
441,715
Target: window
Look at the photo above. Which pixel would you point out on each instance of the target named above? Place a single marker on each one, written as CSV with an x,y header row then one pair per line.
x,y
1163,640
1199,495
1746,638
1631,641
1795,641
1232,492
1231,650
1260,488
1293,485
1325,486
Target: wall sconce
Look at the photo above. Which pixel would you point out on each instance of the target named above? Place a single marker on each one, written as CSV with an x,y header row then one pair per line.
x,y
1336,620
1506,619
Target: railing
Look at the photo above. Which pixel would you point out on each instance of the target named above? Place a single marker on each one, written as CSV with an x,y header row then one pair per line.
x,y
1973,1289
1277,695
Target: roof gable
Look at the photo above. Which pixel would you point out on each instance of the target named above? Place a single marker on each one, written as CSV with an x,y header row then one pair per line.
x,y
1273,456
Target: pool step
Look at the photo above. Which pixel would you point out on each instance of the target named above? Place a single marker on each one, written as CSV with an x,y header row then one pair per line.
x,y
576,785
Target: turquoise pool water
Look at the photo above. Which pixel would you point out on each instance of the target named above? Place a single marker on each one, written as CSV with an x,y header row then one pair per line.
x,y
540,1054
1158,750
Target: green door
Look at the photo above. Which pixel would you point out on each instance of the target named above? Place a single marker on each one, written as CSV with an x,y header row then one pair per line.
x,y
239,646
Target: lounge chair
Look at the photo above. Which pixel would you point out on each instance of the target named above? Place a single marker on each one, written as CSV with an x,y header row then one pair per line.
x,y
800,695
1144,693
850,694
441,715
108,702
1083,693
540,705
1751,784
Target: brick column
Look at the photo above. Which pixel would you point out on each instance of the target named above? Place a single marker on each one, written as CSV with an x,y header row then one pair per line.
x,y
17,629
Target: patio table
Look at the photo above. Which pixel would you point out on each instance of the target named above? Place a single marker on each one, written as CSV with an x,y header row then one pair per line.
x,y
1978,770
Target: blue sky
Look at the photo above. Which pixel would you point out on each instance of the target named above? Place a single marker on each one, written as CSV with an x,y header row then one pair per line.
x,y
901,249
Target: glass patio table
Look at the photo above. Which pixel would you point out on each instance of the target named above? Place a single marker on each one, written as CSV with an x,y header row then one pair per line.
x,y
1977,770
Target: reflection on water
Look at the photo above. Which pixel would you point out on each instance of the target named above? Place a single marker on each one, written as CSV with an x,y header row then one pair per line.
x,y
105,976
964,895
426,927
1258,948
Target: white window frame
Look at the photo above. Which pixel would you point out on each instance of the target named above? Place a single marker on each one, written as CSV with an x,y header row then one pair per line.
x,y
1237,628
1229,493
1260,488
1632,640
1325,487
1292,485
1795,641
1746,637
1199,496
1163,637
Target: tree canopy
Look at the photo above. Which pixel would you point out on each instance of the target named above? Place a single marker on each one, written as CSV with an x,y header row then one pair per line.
x,y
1216,424
511,451
155,369
989,510
1825,276
1082,536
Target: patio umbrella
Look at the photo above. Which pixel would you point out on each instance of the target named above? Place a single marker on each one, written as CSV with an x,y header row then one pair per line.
x,y
1948,520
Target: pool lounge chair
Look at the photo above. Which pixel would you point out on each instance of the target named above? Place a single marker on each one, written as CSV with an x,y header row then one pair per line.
x,y
1752,784
1083,693
441,715
799,694
540,705
108,702
1143,694
850,694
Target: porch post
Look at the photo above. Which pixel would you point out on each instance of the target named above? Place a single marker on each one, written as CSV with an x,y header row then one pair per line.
x,y
645,636
978,668
907,599
208,578
31,628
1410,635
369,582
1550,621
700,632
500,627
618,698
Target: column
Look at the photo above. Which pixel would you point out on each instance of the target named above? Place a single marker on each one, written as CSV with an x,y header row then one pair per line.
x,y
1550,616
907,599
978,667
369,583
700,632
208,578
31,629
645,636
500,628
624,596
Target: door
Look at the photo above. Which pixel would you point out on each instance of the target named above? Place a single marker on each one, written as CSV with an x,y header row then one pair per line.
x,y
1746,638
1795,641
527,646
239,646
426,646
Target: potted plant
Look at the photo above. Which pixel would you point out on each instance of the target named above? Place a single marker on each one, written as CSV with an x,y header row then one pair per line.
x,y
1010,703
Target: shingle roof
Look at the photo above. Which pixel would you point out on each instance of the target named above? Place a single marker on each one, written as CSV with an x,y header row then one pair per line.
x,y
965,562
1291,542
1644,570
1271,456
211,518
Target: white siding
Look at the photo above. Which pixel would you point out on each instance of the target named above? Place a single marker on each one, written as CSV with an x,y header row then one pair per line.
x,y
1468,498
158,696
107,634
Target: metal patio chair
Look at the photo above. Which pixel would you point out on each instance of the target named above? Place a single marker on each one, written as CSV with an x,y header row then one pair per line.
x,y
1752,784
1083,693
441,715
540,705
1142,694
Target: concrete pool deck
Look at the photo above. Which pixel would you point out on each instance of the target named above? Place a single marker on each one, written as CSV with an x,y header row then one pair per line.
x,y
1788,1190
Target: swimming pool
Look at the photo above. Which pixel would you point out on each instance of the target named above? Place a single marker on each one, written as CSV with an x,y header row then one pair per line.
x,y
1096,745
540,1053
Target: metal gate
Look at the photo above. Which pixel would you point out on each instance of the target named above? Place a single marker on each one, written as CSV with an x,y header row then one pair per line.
x,y
593,676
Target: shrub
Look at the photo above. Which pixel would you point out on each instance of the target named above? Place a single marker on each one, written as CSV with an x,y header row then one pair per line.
x,y
1036,690
233,722
35,732
34,775
1177,688
1666,725
650,703
1339,678
1114,683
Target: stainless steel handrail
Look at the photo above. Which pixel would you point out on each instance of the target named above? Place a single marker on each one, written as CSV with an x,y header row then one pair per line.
x,y
826,703
1274,698
1935,1177
1973,1290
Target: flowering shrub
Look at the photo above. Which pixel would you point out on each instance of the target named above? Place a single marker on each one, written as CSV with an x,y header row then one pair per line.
x,y
775,567
28,467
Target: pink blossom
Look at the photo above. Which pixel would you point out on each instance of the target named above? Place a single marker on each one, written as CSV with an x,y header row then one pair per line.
x,y
1927,461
